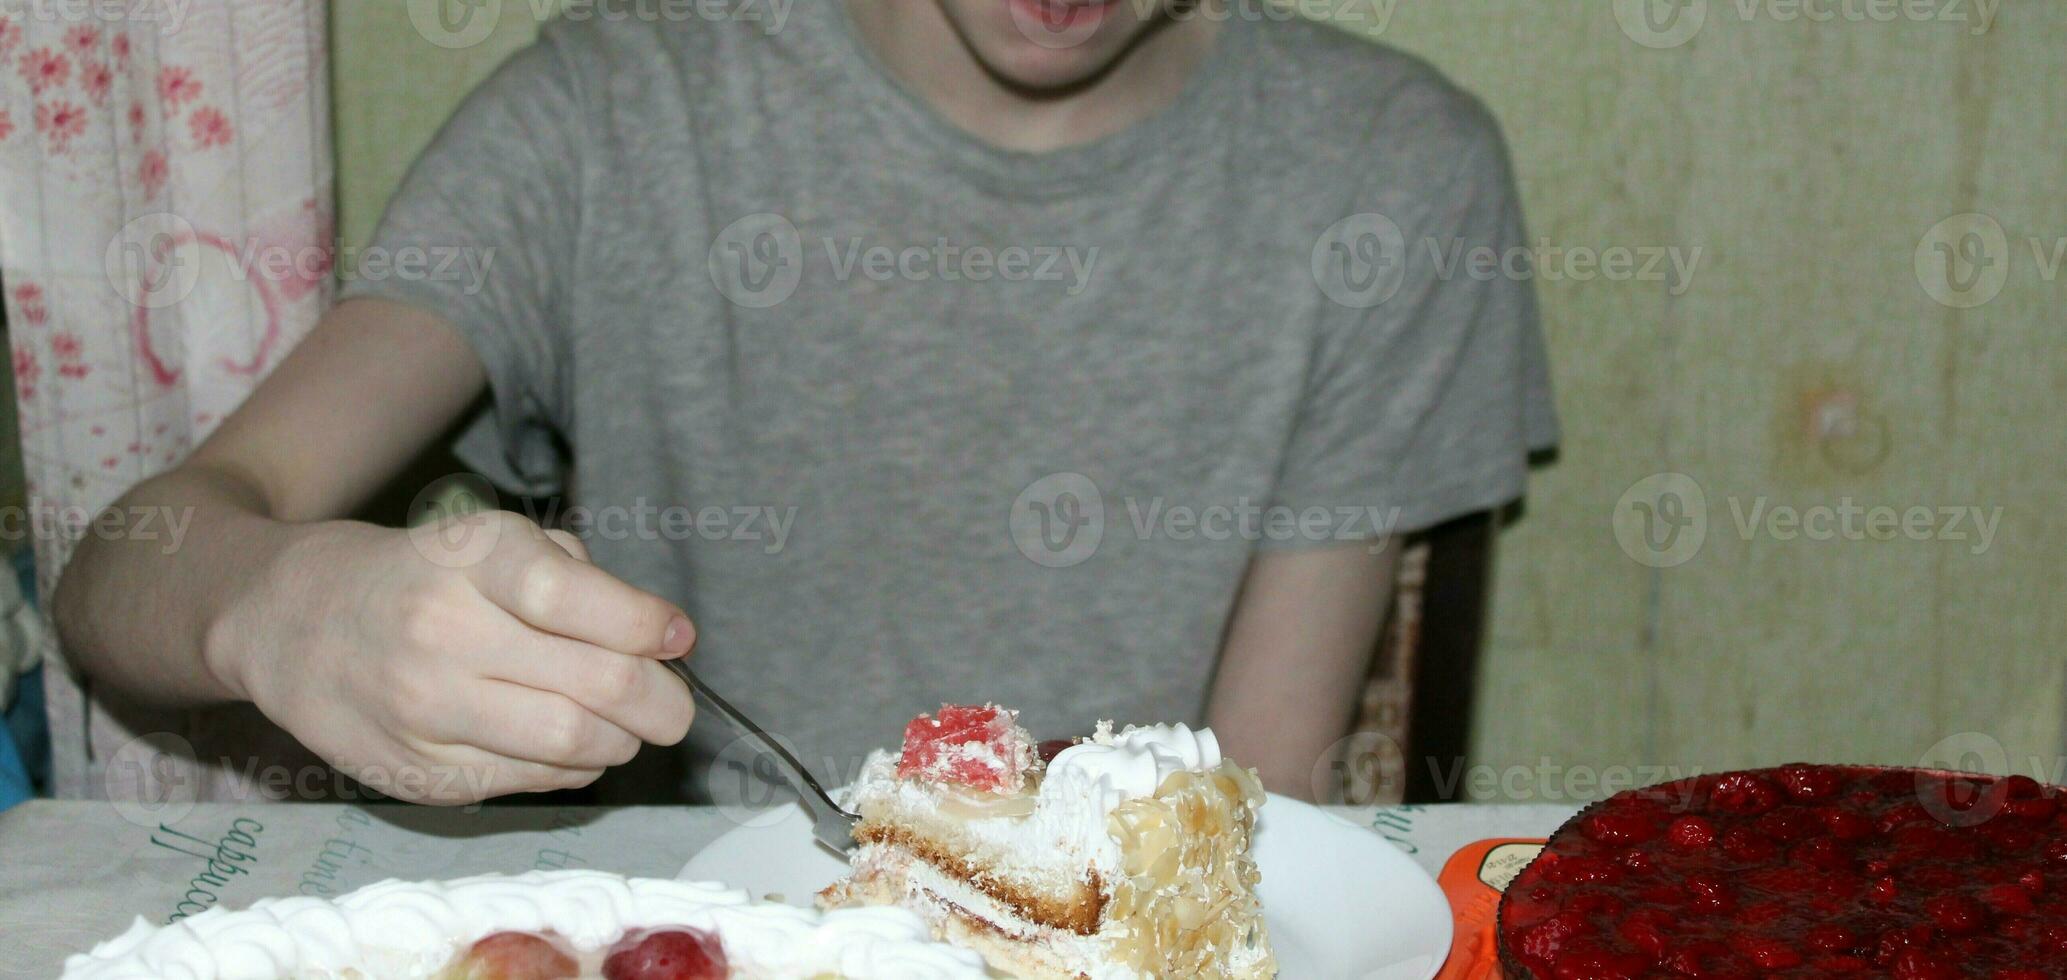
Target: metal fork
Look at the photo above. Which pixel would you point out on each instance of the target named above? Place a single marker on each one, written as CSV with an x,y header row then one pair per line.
x,y
832,825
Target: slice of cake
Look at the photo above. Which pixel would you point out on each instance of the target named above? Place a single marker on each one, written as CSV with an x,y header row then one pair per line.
x,y
560,925
1118,856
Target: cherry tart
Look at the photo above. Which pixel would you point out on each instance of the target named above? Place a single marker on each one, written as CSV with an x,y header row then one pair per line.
x,y
1801,871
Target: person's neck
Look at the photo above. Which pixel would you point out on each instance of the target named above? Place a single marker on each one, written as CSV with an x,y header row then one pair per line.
x,y
918,45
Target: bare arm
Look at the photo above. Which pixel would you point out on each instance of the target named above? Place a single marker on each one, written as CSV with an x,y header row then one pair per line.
x,y
368,388
1298,649
520,668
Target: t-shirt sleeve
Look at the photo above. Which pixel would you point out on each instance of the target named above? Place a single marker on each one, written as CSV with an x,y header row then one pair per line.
x,y
484,233
1427,396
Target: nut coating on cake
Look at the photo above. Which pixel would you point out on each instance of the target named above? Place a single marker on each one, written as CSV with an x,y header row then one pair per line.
x,y
1119,856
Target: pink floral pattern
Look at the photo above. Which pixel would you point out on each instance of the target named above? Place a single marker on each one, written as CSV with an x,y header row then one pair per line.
x,y
60,122
210,126
176,87
109,124
83,40
97,79
45,69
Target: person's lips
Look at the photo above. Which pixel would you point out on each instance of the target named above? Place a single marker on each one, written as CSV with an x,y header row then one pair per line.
x,y
1057,16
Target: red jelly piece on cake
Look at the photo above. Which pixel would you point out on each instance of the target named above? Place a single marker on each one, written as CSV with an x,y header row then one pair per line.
x,y
1804,871
667,954
514,956
980,747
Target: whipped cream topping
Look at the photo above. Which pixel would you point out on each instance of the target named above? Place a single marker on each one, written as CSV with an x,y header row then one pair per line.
x,y
1117,768
409,931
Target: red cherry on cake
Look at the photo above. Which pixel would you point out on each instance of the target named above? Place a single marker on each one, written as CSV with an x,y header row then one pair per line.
x,y
1810,783
667,954
513,956
977,746
1053,747
1747,793
1691,833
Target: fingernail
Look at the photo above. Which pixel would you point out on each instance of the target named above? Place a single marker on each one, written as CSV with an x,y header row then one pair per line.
x,y
678,638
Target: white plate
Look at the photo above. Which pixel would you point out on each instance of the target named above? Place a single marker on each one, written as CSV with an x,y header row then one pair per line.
x,y
1342,903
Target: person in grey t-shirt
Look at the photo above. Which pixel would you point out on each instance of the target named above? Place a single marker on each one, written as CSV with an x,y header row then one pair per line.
x,y
1071,355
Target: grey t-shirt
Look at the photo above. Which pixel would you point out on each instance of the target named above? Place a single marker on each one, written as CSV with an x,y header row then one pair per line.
x,y
902,418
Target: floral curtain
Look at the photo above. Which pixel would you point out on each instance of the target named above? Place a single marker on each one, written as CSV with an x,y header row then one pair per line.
x,y
165,237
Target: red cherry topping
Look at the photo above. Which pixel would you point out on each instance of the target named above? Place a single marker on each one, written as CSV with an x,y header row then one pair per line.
x,y
978,746
1741,792
513,956
667,954
1809,783
1800,872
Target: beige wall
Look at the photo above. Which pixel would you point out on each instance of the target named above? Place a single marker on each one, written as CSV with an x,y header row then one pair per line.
x,y
1801,364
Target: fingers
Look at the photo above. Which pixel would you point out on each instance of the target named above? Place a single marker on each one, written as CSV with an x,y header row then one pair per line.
x,y
635,694
527,725
541,582
570,544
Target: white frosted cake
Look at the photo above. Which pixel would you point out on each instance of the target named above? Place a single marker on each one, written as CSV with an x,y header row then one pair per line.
x,y
539,926
1119,856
